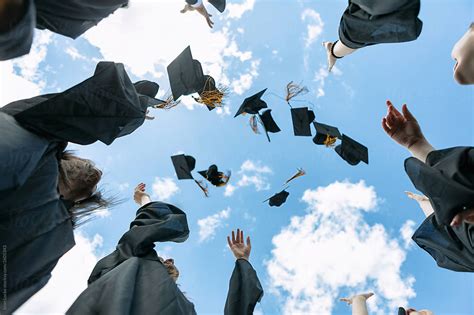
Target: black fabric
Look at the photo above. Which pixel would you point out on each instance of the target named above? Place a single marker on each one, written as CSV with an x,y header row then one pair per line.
x,y
278,199
103,107
352,151
183,165
401,311
132,279
302,117
66,17
35,226
252,104
370,22
451,247
218,4
245,290
213,175
447,179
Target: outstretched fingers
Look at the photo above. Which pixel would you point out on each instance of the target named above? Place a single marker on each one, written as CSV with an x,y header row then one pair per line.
x,y
407,114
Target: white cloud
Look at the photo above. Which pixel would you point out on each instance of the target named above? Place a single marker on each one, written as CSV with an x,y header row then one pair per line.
x,y
74,53
157,46
332,251
314,26
251,174
245,81
123,186
164,188
406,231
236,10
69,278
20,77
209,225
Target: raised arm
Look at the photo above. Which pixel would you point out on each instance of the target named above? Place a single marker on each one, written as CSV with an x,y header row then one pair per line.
x,y
404,129
358,302
245,289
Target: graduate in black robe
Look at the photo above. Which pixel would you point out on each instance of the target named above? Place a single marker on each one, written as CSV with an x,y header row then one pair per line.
x,y
37,209
135,280
446,178
70,18
370,22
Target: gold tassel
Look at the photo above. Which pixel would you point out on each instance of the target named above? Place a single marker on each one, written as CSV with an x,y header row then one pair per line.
x,y
293,90
299,173
329,141
254,124
168,104
203,187
213,98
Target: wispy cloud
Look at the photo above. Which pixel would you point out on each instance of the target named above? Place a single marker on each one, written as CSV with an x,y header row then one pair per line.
x,y
209,225
236,10
406,231
332,251
252,173
314,26
164,188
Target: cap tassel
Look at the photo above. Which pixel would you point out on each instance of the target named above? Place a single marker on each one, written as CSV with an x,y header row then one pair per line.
x,y
212,96
168,103
203,187
299,173
329,141
293,90
254,124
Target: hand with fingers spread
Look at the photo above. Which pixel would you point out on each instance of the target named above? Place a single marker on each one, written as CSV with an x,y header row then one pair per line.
x,y
404,129
140,196
464,216
237,246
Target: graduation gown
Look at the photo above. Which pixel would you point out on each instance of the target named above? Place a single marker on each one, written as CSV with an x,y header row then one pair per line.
x,y
447,179
245,290
370,22
70,18
132,279
35,225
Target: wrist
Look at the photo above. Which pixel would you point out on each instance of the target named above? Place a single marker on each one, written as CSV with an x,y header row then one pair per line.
x,y
420,148
243,257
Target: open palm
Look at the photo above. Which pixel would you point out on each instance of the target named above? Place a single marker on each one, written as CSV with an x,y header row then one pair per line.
x,y
403,127
237,245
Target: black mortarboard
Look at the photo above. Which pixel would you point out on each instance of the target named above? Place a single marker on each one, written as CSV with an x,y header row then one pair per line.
x,y
401,311
213,175
302,118
218,4
324,133
147,91
278,199
252,104
185,74
183,165
352,151
268,123
209,86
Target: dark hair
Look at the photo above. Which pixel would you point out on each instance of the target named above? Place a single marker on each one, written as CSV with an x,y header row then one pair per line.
x,y
82,182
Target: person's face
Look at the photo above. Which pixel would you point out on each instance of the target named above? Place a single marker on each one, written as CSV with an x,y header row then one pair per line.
x,y
171,268
463,54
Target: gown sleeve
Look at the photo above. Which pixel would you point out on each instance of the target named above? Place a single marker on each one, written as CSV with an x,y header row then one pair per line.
x,y
20,153
154,222
102,108
370,22
17,41
451,248
245,290
447,179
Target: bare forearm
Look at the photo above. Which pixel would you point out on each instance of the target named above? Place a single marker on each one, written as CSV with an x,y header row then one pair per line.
x,y
359,306
421,149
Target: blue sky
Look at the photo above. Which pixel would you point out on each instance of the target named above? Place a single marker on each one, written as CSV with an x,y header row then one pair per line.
x,y
264,44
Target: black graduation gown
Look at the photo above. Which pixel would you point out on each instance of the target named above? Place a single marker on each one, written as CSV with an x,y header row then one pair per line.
x,y
35,225
245,290
370,22
70,18
447,179
132,280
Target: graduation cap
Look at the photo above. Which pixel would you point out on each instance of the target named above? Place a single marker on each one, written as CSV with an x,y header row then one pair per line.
x,y
213,175
268,123
278,199
218,4
352,151
300,172
183,166
325,134
302,118
401,311
147,91
252,104
186,77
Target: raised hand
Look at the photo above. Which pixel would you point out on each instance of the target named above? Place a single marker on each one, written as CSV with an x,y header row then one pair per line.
x,y
402,128
423,202
237,246
140,196
466,215
331,59
351,300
